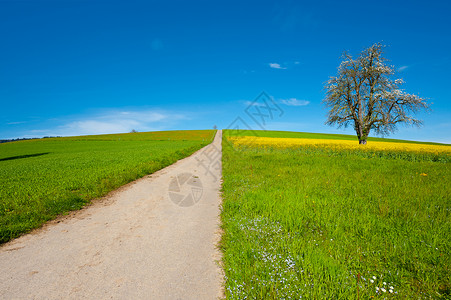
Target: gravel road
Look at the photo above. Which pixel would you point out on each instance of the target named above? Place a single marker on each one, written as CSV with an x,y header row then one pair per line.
x,y
155,238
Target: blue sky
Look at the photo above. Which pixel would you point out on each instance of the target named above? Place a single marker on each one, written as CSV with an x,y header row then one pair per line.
x,y
86,67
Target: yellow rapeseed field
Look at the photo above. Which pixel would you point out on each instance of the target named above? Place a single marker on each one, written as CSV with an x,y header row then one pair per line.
x,y
266,142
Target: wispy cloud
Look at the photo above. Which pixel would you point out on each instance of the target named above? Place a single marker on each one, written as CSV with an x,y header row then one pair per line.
x,y
253,103
402,68
113,122
284,65
276,66
294,102
16,123
288,102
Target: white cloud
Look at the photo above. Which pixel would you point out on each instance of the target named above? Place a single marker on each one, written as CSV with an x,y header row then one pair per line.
x,y
276,66
402,68
16,123
253,103
294,102
113,122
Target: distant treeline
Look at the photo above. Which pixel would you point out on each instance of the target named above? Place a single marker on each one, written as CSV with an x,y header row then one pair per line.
x,y
23,139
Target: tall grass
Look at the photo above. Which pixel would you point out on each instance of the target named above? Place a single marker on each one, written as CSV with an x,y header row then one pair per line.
x,y
307,223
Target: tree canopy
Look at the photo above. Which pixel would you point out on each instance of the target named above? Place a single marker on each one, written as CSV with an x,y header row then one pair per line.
x,y
364,95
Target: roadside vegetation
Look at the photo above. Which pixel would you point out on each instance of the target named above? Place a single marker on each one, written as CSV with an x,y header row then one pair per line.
x,y
333,221
40,179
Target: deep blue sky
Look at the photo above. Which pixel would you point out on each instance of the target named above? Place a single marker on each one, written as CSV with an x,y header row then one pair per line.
x,y
73,67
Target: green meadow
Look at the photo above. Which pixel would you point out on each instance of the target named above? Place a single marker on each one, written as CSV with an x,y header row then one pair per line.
x,y
299,222
40,179
319,224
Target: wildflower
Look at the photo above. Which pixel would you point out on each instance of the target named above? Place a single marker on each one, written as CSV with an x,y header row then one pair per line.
x,y
374,277
424,174
371,280
382,289
384,283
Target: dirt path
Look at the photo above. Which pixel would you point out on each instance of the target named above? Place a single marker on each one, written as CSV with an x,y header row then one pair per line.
x,y
152,239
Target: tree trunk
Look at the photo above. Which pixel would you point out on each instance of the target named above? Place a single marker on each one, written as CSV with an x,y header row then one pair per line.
x,y
361,134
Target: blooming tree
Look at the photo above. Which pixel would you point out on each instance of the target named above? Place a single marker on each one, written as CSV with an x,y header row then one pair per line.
x,y
364,95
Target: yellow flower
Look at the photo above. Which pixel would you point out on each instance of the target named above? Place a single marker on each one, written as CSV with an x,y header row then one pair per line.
x,y
336,144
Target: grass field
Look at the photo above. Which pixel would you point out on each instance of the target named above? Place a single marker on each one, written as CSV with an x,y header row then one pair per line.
x,y
40,179
324,222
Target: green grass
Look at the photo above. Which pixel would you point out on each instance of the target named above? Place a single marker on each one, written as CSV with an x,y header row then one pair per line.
x,y
40,179
320,226
308,135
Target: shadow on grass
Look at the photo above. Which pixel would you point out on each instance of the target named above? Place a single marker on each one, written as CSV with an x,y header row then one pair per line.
x,y
23,156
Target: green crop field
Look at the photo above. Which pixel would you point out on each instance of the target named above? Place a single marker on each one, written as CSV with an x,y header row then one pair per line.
x,y
328,223
40,179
